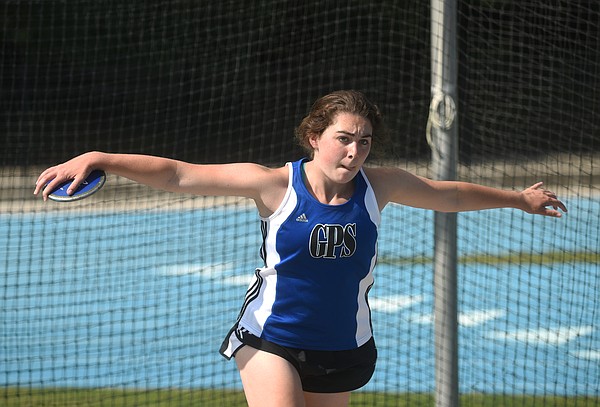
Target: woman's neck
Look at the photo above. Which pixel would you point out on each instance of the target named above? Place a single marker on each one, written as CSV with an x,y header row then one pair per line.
x,y
322,188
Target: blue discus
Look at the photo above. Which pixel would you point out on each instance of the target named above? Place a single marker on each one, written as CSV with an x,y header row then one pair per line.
x,y
89,186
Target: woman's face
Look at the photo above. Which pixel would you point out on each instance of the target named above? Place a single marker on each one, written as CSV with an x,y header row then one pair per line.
x,y
343,147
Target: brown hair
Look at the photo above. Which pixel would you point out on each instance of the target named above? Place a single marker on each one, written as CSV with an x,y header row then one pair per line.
x,y
325,109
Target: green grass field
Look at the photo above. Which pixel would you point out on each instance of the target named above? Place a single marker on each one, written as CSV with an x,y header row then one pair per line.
x,y
13,397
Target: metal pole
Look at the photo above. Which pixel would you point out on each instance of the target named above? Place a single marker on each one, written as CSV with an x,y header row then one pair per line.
x,y
443,139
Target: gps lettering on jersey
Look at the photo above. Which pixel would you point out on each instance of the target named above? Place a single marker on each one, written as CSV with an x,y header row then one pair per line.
x,y
329,241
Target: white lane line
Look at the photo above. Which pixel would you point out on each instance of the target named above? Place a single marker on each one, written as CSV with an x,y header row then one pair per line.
x,y
211,270
544,336
394,303
467,319
479,317
224,272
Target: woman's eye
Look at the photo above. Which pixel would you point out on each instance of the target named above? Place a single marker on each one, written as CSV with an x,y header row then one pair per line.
x,y
365,142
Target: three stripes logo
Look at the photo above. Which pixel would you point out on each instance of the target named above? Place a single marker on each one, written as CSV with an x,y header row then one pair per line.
x,y
302,218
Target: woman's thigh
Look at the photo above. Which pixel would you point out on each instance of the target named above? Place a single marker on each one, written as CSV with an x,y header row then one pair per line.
x,y
268,379
327,399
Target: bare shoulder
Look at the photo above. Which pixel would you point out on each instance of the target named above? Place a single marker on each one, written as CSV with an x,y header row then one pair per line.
x,y
376,173
248,180
266,186
255,172
392,184
261,179
266,176
273,186
382,177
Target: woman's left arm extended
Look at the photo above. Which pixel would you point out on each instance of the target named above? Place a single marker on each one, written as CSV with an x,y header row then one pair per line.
x,y
399,186
465,196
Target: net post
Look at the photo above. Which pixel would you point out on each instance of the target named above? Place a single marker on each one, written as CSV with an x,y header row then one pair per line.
x,y
443,138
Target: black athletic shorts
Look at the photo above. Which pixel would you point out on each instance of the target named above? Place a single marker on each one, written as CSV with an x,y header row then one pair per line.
x,y
323,371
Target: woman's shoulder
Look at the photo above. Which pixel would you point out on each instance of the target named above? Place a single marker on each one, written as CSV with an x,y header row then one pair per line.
x,y
377,175
388,182
263,173
280,174
386,174
273,186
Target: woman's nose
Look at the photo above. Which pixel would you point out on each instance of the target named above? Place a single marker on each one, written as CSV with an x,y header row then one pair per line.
x,y
352,150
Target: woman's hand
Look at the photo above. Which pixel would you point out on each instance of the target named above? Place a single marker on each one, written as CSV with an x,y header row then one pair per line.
x,y
76,169
538,200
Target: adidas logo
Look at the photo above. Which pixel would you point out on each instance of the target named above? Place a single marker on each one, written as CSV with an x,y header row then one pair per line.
x,y
302,218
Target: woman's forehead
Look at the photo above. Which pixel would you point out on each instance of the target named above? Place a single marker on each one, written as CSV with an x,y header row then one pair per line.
x,y
352,123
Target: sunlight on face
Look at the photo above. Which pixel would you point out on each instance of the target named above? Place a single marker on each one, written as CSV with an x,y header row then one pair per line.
x,y
343,147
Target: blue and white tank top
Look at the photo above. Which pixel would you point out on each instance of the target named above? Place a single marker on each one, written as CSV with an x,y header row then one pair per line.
x,y
312,291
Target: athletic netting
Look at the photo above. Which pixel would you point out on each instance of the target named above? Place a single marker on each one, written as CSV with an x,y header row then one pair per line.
x,y
124,298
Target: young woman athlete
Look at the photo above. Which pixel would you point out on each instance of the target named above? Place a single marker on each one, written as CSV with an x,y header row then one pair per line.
x,y
303,336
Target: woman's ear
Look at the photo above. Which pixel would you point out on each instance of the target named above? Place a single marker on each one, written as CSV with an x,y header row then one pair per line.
x,y
313,140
